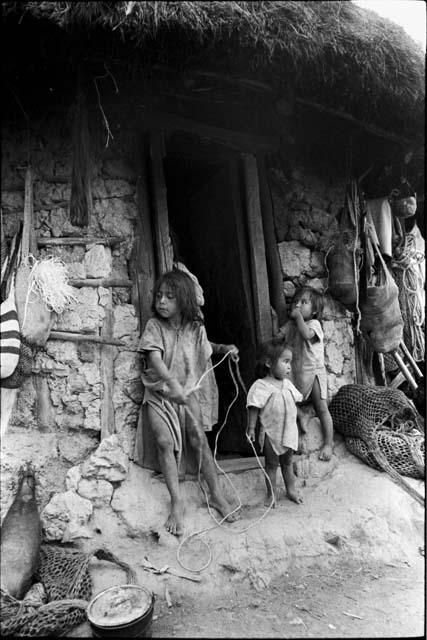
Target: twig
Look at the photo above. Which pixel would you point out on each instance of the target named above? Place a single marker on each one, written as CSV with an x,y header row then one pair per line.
x,y
352,615
107,126
312,613
351,597
168,597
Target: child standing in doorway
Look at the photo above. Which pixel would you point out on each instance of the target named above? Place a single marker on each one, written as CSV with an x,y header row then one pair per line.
x,y
177,354
305,334
273,398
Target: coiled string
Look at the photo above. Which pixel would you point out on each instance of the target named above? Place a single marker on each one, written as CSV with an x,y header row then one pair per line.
x,y
233,360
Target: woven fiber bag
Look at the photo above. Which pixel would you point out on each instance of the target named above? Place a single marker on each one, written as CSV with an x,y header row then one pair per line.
x,y
343,258
381,316
342,262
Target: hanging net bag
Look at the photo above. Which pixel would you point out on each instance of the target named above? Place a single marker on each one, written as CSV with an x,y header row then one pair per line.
x,y
381,426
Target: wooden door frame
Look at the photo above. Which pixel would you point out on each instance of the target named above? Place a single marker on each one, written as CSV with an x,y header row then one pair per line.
x,y
255,245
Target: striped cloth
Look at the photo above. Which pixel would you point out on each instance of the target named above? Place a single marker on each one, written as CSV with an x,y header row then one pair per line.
x,y
10,336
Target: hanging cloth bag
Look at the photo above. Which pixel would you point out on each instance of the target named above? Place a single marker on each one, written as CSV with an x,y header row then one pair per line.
x,y
381,318
343,258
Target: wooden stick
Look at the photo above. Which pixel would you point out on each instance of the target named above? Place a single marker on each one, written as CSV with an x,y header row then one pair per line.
x,y
352,615
83,337
382,368
412,362
397,381
404,369
27,233
167,596
100,282
107,373
44,242
146,564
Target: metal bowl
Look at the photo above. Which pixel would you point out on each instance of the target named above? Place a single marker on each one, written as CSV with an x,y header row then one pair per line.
x,y
121,611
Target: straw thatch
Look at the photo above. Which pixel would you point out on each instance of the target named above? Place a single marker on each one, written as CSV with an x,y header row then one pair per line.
x,y
334,52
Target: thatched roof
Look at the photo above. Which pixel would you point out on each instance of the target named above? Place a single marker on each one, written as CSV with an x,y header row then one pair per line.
x,y
336,53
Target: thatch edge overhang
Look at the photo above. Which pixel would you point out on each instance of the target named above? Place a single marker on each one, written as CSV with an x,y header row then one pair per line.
x,y
334,52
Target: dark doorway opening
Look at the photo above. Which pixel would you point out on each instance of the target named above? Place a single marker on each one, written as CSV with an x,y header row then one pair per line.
x,y
207,222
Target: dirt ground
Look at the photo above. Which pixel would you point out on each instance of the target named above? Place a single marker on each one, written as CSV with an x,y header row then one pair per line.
x,y
348,600
347,563
345,598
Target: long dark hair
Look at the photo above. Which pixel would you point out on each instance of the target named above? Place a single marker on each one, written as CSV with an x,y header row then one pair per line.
x,y
269,352
182,287
316,299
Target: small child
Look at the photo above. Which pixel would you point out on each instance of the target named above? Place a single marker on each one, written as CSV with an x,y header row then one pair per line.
x,y
272,398
305,334
177,353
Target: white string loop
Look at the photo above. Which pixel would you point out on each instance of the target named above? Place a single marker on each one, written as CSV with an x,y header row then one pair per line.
x,y
219,523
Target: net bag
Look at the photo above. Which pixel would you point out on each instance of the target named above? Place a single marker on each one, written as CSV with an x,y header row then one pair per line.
x,y
381,426
23,368
65,576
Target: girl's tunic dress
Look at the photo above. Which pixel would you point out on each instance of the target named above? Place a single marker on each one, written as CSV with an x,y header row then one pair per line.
x,y
278,413
308,360
187,354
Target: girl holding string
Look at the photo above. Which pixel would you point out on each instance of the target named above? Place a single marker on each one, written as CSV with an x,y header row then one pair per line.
x,y
177,356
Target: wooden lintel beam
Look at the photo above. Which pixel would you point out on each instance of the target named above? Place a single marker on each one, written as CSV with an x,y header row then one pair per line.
x,y
376,131
238,140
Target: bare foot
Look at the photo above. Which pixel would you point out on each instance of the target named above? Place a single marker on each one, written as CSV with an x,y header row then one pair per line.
x,y
220,504
294,495
174,523
325,452
290,484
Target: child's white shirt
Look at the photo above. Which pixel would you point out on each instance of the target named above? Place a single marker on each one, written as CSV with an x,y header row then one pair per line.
x,y
277,411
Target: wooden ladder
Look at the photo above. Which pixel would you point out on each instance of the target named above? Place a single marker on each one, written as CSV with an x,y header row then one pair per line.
x,y
405,373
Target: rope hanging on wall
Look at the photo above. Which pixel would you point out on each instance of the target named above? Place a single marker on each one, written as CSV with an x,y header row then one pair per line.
x,y
409,279
81,194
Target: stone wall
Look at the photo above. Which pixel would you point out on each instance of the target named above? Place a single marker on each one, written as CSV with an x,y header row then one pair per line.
x,y
56,422
305,208
58,407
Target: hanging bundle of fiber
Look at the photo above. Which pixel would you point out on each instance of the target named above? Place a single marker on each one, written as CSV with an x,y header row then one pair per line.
x,y
81,194
48,280
408,274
